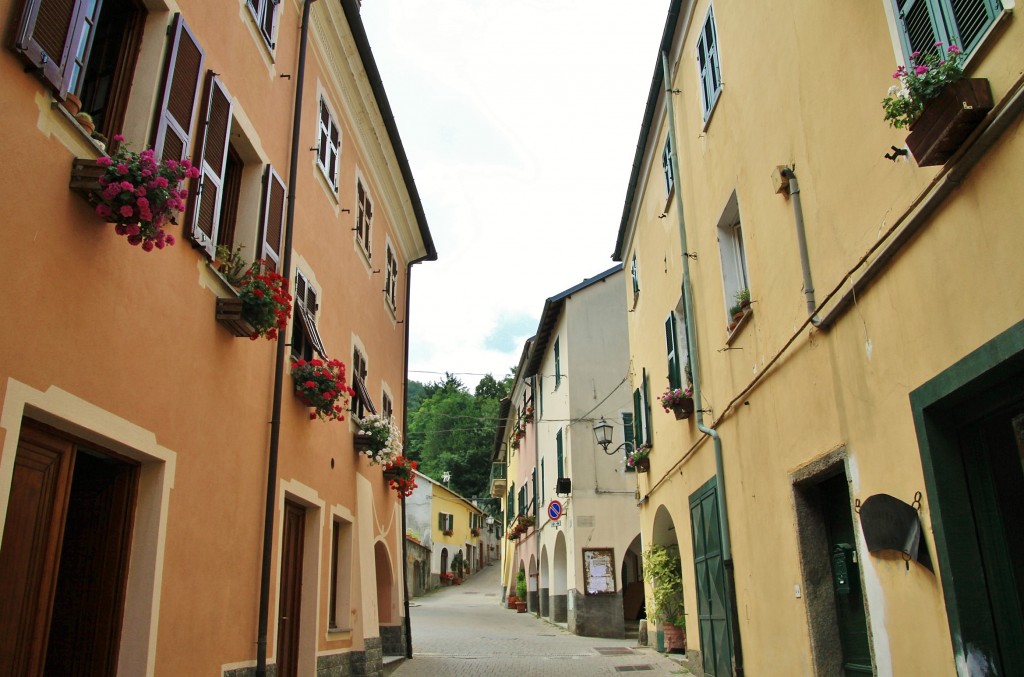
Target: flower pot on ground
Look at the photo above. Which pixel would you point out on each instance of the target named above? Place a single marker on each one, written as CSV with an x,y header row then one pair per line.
x,y
321,385
663,569
510,602
675,637
521,591
379,439
521,607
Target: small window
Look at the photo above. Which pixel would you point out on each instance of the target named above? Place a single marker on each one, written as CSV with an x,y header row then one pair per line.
x,y
386,407
391,277
733,255
446,522
674,354
642,413
707,62
959,22
361,403
265,14
341,574
667,167
364,217
558,364
627,434
305,336
634,271
328,145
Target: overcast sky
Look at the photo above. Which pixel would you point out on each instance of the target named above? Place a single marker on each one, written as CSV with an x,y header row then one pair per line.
x,y
520,119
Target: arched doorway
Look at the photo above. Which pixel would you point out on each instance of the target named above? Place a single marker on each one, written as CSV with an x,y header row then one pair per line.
x,y
559,586
385,584
545,582
633,607
668,636
444,560
533,597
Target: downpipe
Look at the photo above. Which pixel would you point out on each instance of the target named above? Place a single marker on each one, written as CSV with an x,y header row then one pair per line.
x,y
694,364
801,238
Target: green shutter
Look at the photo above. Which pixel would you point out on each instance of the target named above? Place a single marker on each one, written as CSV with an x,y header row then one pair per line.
x,y
536,503
542,480
510,505
638,416
922,23
647,410
627,434
672,347
558,364
559,458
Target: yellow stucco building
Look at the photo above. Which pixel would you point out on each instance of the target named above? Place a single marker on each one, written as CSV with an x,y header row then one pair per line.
x,y
845,498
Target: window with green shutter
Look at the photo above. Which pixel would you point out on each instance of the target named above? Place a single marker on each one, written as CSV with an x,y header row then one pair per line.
x,y
627,434
635,273
642,413
558,364
963,23
559,455
536,503
666,167
510,511
672,347
707,62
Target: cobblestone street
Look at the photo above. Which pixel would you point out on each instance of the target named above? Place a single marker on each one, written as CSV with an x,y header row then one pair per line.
x,y
462,631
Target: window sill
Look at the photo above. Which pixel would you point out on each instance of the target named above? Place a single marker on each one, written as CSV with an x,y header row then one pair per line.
x,y
714,107
92,145
740,324
331,190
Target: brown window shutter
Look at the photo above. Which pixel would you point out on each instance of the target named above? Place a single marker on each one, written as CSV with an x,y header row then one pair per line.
x,y
272,223
46,33
210,157
185,60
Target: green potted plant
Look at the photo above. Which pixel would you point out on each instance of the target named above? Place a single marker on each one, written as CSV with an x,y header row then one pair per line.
x,y
743,299
379,439
663,569
678,401
639,458
231,264
521,592
937,103
86,121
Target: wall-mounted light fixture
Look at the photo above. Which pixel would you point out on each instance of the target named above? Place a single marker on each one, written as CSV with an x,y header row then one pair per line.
x,y
603,431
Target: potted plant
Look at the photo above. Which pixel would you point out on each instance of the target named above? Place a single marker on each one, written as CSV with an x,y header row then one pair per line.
x,y
135,192
521,592
379,439
937,103
639,458
399,474
72,104
679,401
86,121
266,304
736,312
528,414
743,299
321,385
230,264
446,578
663,569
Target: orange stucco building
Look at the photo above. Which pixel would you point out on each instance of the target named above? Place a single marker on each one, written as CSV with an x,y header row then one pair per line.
x,y
137,431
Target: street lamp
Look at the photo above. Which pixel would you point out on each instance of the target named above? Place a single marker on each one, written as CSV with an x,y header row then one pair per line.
x,y
603,432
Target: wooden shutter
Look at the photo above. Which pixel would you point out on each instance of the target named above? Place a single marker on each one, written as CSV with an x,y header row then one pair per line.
x,y
211,158
672,347
440,521
919,32
638,418
559,455
272,219
46,33
647,410
176,111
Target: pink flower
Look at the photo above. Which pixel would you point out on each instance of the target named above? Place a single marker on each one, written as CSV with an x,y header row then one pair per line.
x,y
172,164
169,239
128,185
125,210
142,201
916,54
147,246
133,229
118,138
120,229
122,168
103,210
192,173
938,44
953,49
140,191
104,161
921,70
134,240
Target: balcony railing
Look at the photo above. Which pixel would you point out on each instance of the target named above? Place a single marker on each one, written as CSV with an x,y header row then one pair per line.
x,y
499,481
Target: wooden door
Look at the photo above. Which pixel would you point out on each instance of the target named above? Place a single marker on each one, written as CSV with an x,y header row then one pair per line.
x,y
290,602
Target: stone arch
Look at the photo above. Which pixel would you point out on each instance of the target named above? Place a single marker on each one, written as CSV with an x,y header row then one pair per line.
x,y
444,560
545,583
533,596
559,582
631,575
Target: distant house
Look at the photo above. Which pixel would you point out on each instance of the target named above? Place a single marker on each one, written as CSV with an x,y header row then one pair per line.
x,y
582,567
452,527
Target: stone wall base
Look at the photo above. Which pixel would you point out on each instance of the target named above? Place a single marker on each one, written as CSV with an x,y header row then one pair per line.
x,y
368,663
597,615
559,608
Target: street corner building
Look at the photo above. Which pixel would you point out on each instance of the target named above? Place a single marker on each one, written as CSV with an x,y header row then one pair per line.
x,y
827,336
180,495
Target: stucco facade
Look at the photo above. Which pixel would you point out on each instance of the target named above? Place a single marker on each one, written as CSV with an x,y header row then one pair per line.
x,y
889,366
573,373
117,373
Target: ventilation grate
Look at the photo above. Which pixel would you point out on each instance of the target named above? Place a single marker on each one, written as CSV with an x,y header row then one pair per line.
x,y
633,668
614,650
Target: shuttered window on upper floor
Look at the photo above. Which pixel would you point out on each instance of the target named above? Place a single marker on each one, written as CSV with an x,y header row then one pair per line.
x,y
265,13
923,23
708,64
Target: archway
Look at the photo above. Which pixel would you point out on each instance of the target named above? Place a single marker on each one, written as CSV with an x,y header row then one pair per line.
x,y
545,583
559,587
385,584
533,597
669,636
631,575
444,560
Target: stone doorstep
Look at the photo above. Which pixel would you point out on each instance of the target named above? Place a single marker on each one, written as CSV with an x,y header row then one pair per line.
x,y
391,663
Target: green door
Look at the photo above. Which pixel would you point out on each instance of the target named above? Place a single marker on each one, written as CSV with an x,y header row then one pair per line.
x,y
846,583
710,575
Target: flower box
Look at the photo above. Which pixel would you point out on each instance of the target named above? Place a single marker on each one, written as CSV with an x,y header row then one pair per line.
x,y
643,464
684,409
362,441
229,315
85,179
948,119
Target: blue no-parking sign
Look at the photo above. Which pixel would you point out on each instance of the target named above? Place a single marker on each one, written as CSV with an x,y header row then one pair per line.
x,y
554,510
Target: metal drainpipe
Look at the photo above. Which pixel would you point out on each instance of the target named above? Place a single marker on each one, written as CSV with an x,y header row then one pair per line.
x,y
801,237
694,364
275,420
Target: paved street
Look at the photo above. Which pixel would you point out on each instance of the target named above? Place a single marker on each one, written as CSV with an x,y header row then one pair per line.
x,y
461,631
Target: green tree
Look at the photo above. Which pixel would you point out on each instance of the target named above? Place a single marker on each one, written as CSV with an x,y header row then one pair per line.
x,y
453,430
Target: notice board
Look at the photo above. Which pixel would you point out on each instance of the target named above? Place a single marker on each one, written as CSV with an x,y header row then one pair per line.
x,y
599,571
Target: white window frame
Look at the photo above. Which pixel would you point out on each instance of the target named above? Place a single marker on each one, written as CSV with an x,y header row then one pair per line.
x,y
667,168
364,217
732,251
259,9
390,276
328,151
